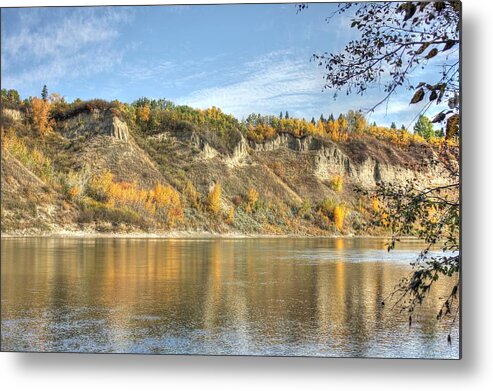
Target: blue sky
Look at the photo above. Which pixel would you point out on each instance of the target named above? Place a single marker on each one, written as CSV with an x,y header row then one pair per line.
x,y
241,58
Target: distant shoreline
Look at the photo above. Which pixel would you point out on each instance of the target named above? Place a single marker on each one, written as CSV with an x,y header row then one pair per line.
x,y
182,235
163,235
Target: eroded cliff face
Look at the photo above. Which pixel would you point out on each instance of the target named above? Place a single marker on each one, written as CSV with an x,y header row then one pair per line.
x,y
286,171
329,159
95,123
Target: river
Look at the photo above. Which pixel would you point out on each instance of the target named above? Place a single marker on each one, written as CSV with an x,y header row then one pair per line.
x,y
255,296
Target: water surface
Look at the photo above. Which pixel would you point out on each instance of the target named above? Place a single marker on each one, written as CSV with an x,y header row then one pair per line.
x,y
283,296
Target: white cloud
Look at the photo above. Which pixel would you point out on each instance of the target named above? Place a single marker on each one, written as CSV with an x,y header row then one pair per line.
x,y
65,44
276,81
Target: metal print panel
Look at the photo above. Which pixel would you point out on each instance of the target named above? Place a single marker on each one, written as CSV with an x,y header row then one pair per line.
x,y
236,179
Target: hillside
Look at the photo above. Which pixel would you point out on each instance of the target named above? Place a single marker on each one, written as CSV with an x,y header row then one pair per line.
x,y
100,167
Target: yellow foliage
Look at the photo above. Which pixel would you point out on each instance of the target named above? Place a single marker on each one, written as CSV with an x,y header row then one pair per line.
x,y
375,204
101,184
31,157
252,198
192,194
384,219
162,200
231,216
336,183
339,216
214,198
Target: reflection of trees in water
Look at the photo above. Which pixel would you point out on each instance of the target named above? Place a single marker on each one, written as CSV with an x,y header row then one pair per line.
x,y
249,291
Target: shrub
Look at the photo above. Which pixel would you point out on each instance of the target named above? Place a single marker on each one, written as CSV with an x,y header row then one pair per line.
x,y
251,199
192,195
305,209
230,219
336,183
339,216
214,198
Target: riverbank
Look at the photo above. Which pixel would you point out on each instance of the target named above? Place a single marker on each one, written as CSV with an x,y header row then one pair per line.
x,y
171,235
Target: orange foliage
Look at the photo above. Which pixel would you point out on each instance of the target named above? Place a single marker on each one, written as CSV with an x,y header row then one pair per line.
x,y
162,200
40,115
143,113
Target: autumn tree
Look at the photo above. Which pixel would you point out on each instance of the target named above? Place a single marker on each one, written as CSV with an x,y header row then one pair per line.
x,y
251,199
396,39
214,198
40,115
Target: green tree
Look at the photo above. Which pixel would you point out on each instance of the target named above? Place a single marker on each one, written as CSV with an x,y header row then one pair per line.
x,y
44,93
11,98
393,126
396,39
424,127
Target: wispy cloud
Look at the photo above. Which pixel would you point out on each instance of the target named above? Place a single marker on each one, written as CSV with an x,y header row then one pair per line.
x,y
273,82
66,44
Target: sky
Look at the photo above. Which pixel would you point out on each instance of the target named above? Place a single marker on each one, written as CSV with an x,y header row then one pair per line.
x,y
241,58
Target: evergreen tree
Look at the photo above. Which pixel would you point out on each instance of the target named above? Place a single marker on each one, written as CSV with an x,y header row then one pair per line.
x,y
424,127
44,93
313,121
393,126
280,115
286,116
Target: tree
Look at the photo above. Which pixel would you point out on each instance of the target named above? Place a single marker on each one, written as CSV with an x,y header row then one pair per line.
x,y
433,214
424,127
40,115
286,116
44,93
214,198
393,126
397,38
10,98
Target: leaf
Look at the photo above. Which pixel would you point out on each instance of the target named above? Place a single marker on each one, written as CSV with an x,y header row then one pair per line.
x,y
418,96
433,96
432,53
439,117
449,45
422,48
410,9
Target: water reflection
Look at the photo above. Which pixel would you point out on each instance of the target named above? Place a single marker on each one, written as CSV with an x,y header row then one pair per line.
x,y
215,296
